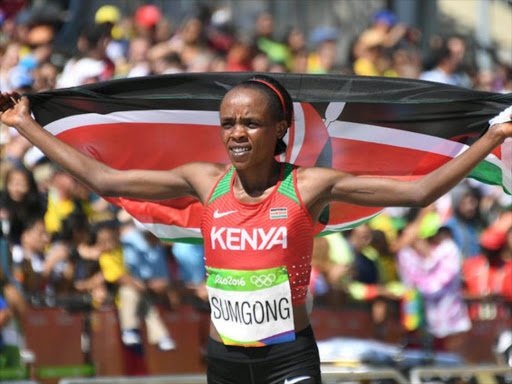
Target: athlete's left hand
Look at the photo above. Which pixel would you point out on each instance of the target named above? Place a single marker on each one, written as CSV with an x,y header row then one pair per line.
x,y
504,129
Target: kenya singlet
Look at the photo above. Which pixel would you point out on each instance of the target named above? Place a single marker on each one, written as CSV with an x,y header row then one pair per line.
x,y
258,258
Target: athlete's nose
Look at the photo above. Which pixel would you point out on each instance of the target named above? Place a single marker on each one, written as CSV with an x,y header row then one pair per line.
x,y
238,132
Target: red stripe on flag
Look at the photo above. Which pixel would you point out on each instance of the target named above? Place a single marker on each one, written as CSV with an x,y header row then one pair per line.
x,y
315,137
184,212
363,158
147,145
151,146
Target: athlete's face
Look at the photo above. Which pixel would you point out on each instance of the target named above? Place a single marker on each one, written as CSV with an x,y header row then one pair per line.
x,y
247,128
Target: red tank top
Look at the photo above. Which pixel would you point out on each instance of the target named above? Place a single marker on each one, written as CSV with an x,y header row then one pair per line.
x,y
277,231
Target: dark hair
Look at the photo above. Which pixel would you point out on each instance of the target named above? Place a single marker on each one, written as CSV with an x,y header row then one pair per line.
x,y
442,53
18,212
94,33
76,221
278,111
31,222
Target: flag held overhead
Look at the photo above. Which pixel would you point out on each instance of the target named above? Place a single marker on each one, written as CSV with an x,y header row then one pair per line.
x,y
366,126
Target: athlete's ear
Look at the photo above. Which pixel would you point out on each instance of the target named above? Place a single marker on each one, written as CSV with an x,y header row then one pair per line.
x,y
282,127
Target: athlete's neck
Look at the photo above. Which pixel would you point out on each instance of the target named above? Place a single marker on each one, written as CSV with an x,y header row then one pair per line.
x,y
256,180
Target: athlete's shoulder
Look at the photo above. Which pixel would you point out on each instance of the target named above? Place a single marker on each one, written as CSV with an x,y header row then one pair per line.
x,y
203,176
315,182
314,173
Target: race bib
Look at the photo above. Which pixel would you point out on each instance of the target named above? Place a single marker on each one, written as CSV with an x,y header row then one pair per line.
x,y
251,308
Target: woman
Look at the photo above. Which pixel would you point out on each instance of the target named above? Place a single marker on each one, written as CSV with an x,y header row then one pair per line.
x,y
257,224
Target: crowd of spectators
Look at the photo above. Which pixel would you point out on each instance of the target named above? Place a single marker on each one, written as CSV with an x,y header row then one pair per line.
x,y
59,243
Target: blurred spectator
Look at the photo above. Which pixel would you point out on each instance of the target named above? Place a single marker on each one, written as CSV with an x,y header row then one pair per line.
x,y
65,196
260,62
372,49
448,63
146,19
189,44
320,265
10,56
168,65
133,303
340,255
465,222
444,71
63,264
138,57
45,77
191,269
92,64
29,257
146,258
190,260
19,201
431,263
490,272
238,58
322,60
364,258
264,40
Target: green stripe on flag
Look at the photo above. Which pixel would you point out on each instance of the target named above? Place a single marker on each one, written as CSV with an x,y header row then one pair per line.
x,y
489,173
188,240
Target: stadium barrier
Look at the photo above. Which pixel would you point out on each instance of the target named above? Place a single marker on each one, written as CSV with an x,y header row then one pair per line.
x,y
330,375
481,373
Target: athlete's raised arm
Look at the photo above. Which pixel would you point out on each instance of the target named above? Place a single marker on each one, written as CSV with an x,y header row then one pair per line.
x,y
187,180
320,186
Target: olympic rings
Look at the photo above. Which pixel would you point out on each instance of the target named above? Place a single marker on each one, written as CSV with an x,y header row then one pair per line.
x,y
263,280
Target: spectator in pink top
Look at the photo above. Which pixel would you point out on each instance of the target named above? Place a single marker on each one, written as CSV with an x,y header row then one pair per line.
x,y
431,263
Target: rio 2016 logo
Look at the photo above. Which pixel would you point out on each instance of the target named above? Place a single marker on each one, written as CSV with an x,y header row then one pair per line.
x,y
230,280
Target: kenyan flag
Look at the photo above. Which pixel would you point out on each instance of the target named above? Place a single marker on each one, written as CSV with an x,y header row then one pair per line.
x,y
363,125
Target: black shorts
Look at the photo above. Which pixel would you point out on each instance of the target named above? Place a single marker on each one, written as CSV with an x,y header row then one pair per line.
x,y
293,362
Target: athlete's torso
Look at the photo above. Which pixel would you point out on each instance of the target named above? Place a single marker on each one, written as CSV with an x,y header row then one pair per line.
x,y
274,232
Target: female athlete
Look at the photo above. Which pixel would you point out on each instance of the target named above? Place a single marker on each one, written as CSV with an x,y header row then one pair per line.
x,y
257,224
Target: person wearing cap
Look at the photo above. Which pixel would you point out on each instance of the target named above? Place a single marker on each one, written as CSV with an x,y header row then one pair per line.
x,y
323,58
431,263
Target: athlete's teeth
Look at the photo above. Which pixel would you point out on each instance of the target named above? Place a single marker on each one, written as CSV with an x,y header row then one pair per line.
x,y
240,149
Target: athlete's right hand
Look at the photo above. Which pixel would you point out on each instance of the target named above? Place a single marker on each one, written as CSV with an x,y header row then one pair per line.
x,y
14,109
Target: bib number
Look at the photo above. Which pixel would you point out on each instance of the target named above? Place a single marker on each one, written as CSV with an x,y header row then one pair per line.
x,y
251,308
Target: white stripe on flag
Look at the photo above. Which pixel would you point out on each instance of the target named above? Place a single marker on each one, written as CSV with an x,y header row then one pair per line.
x,y
342,226
506,169
299,131
402,139
394,137
165,231
157,116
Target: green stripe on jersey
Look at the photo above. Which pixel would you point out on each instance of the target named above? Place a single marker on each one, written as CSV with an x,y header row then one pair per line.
x,y
223,185
287,188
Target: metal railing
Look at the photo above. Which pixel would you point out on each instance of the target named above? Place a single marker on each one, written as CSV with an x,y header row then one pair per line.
x,y
417,375
330,375
333,374
174,379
